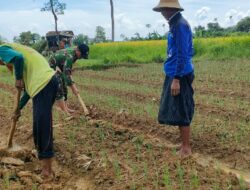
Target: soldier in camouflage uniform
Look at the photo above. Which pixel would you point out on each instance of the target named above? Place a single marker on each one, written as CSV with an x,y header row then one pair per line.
x,y
62,61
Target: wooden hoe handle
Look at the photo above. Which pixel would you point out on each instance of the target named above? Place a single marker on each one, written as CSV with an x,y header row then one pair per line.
x,y
85,109
14,120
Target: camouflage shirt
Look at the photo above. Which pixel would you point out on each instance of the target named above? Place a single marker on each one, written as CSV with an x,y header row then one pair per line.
x,y
64,60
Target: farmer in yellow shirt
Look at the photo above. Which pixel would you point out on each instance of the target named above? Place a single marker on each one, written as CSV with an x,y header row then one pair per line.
x,y
34,75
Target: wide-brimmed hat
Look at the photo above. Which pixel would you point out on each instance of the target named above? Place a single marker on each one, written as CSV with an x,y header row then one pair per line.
x,y
168,4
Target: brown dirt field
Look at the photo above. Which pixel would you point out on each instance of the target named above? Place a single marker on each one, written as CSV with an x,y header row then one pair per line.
x,y
206,144
233,156
109,167
123,152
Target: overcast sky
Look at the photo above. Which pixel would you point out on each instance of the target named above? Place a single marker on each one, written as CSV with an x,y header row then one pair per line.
x,y
82,16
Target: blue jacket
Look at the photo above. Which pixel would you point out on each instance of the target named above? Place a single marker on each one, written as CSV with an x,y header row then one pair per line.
x,y
180,48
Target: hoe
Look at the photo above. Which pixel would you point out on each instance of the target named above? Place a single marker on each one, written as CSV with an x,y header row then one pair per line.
x,y
14,120
10,149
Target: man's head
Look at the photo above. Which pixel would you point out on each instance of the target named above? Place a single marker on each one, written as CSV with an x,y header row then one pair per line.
x,y
168,8
62,44
167,13
82,51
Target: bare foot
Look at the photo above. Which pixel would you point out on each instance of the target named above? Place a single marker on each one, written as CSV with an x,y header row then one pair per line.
x,y
46,167
47,173
47,176
184,152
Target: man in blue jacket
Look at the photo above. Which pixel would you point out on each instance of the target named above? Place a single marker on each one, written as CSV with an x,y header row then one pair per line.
x,y
177,103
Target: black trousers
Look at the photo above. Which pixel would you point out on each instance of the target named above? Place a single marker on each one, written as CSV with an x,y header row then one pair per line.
x,y
42,119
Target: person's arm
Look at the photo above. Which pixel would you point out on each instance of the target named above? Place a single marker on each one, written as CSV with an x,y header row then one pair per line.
x,y
24,100
52,62
68,75
68,71
18,62
182,40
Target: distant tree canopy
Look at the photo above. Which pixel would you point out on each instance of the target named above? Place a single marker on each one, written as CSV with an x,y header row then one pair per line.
x,y
215,30
31,39
244,25
81,39
100,34
27,38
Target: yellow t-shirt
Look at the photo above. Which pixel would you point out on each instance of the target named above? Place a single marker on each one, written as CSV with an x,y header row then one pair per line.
x,y
36,71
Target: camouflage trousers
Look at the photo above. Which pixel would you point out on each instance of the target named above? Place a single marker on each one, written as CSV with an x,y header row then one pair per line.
x,y
62,92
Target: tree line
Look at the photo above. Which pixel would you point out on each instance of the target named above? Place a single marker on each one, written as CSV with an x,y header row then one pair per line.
x,y
214,29
56,7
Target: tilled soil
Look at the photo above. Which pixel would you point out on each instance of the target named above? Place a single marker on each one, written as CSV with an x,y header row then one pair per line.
x,y
109,150
101,155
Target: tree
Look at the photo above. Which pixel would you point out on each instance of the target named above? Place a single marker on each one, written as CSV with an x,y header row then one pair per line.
x,y
56,7
81,39
243,25
1,40
124,37
199,31
27,38
112,20
154,36
148,26
149,34
214,27
100,34
137,37
40,45
35,37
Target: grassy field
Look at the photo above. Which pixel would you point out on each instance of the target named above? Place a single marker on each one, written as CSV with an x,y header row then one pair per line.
x,y
222,48
126,146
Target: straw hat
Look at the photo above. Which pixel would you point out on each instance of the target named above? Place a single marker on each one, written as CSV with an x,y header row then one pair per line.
x,y
168,4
